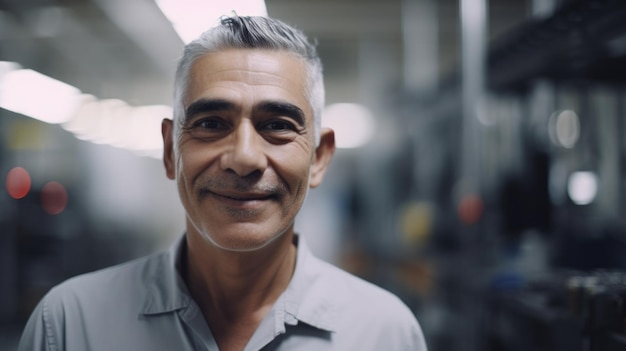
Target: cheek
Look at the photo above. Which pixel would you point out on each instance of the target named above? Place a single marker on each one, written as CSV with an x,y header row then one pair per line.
x,y
191,162
197,154
297,175
293,163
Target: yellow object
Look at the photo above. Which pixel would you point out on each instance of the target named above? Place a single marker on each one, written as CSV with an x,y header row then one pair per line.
x,y
416,222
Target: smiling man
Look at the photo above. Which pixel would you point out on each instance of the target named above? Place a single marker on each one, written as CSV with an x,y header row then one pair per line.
x,y
244,147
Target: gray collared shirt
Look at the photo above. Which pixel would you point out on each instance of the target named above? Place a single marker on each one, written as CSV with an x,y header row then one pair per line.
x,y
145,305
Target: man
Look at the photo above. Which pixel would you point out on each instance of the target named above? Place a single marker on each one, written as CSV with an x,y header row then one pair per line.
x,y
244,146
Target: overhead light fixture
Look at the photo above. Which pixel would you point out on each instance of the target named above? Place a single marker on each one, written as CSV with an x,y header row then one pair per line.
x,y
36,95
190,18
111,122
353,124
114,122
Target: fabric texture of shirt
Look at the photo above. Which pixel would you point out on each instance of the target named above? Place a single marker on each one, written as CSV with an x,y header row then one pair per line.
x,y
145,305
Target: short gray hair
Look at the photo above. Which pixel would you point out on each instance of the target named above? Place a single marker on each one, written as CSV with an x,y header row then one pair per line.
x,y
243,32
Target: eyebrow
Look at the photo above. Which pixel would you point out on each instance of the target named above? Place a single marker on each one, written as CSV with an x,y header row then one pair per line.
x,y
207,105
271,107
283,109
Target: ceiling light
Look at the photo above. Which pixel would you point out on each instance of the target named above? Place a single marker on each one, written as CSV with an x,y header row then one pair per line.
x,y
114,122
36,95
192,17
353,124
111,121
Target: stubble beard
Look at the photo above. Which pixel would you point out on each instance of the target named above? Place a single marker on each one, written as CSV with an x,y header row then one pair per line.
x,y
278,191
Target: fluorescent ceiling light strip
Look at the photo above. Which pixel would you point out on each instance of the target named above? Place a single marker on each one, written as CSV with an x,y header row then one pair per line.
x,y
192,17
36,95
111,122
353,124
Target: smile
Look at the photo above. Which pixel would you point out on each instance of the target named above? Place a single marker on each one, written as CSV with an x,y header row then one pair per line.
x,y
245,197
240,199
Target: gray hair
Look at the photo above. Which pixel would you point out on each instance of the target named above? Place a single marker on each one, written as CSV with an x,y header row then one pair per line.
x,y
242,32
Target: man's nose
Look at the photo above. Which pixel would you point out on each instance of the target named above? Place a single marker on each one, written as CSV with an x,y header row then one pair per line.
x,y
245,154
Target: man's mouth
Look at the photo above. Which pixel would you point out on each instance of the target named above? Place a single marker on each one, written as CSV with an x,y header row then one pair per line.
x,y
244,197
240,192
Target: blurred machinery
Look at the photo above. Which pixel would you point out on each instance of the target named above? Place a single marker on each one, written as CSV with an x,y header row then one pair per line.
x,y
562,311
521,192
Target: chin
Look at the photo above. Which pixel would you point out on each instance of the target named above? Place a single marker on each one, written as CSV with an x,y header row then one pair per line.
x,y
242,242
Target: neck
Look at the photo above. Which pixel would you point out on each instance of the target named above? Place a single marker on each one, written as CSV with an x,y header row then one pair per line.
x,y
238,286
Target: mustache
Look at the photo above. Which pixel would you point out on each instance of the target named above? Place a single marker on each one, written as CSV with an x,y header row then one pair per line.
x,y
242,184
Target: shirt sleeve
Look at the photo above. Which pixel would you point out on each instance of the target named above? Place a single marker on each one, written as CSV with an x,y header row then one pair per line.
x,y
400,330
403,334
39,333
417,341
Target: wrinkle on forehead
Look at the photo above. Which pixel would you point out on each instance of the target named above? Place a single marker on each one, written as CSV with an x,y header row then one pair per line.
x,y
258,65
236,69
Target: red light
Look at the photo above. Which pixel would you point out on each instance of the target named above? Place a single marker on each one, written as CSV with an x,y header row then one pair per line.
x,y
470,209
53,198
18,182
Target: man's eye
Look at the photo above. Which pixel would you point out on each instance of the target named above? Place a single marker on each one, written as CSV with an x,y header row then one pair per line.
x,y
210,124
279,126
208,128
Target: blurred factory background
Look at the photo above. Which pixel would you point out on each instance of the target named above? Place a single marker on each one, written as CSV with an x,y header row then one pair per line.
x,y
480,176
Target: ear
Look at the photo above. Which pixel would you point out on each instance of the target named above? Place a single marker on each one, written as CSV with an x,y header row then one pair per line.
x,y
322,157
167,131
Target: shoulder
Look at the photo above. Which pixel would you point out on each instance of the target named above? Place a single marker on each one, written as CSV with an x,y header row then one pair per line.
x,y
367,313
120,288
147,265
87,303
357,293
326,284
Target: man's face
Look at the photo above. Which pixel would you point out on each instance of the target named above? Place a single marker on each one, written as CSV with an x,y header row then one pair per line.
x,y
245,156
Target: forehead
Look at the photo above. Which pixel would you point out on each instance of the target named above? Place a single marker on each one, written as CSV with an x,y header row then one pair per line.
x,y
249,75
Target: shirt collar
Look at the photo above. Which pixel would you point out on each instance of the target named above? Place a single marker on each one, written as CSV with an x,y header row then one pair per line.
x,y
165,289
307,299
